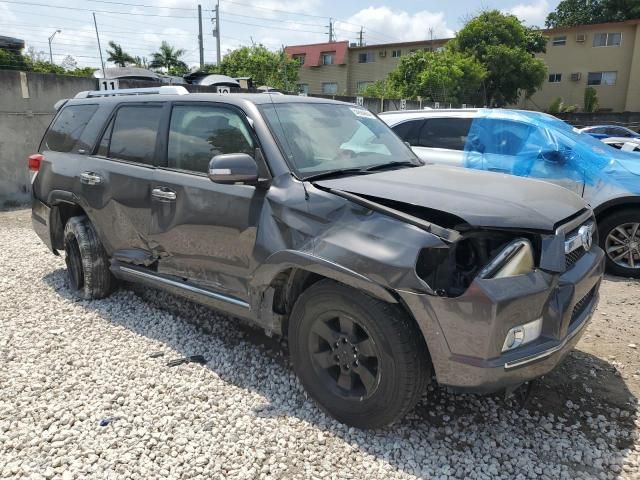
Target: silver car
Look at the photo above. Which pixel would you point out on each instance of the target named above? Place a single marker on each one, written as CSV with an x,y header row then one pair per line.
x,y
537,145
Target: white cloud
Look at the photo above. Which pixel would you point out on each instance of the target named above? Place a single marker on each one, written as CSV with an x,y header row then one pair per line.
x,y
382,24
531,13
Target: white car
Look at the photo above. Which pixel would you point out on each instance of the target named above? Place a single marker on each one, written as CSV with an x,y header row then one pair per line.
x,y
623,143
537,145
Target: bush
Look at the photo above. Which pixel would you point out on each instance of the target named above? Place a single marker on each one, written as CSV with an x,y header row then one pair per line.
x,y
590,100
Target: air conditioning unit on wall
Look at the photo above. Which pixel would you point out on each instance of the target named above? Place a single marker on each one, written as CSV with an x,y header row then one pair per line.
x,y
576,76
581,37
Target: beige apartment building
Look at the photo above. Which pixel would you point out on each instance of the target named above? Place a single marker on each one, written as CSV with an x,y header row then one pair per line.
x,y
604,56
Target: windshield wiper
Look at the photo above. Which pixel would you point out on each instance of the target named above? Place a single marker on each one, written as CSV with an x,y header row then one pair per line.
x,y
335,173
383,166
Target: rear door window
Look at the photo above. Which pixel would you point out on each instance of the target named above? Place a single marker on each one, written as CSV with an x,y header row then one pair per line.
x,y
409,131
132,134
197,133
65,132
449,133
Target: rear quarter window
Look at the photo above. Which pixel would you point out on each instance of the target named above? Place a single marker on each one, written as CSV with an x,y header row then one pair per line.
x,y
65,131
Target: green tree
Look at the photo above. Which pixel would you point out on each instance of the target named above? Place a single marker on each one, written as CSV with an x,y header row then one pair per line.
x,y
381,89
118,56
584,12
168,58
506,48
82,72
13,60
46,67
445,76
265,67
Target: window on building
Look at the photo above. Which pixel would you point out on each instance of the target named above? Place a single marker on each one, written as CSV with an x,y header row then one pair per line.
x,y
199,133
330,88
396,53
367,57
413,50
328,58
69,125
559,41
132,134
607,39
602,78
303,88
555,77
300,57
362,85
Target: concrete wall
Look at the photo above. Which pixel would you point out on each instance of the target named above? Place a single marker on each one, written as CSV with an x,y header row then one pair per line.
x,y
26,109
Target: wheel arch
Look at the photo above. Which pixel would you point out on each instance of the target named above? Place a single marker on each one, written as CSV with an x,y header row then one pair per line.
x,y
281,279
64,205
615,205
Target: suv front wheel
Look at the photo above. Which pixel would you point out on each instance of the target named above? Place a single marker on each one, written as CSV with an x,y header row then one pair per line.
x,y
364,361
620,239
87,262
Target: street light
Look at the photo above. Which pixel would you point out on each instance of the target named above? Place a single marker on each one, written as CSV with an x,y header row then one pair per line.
x,y
51,38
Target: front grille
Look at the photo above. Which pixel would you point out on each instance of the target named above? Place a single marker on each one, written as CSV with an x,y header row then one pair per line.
x,y
582,304
572,257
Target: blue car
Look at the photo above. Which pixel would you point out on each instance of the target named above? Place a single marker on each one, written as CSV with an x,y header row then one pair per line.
x,y
606,131
537,145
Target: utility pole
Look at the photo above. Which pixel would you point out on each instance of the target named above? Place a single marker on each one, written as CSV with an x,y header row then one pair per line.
x,y
216,32
95,23
200,39
360,40
330,30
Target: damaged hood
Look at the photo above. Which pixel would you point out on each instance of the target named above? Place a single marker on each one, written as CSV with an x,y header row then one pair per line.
x,y
482,199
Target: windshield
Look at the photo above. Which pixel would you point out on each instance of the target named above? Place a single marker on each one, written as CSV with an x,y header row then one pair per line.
x,y
324,137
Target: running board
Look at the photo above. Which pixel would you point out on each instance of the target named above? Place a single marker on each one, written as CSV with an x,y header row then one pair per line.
x,y
201,295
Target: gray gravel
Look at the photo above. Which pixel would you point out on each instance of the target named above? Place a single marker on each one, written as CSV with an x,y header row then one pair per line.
x,y
85,393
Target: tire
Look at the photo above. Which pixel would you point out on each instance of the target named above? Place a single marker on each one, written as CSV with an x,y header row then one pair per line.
x,y
362,360
612,230
87,263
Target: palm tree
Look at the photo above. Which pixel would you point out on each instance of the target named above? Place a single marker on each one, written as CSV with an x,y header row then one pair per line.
x,y
168,57
118,56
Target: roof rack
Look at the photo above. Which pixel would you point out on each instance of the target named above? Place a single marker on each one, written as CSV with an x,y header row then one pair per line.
x,y
164,90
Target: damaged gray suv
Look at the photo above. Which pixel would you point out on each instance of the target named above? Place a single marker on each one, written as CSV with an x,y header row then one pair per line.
x,y
313,220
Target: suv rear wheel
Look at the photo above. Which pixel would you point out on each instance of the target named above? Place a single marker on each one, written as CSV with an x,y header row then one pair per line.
x,y
620,239
363,360
87,262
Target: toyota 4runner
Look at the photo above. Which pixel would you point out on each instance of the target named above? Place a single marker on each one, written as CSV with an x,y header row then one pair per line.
x,y
311,219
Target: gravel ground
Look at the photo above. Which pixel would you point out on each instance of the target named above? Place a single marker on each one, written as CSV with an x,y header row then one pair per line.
x,y
85,392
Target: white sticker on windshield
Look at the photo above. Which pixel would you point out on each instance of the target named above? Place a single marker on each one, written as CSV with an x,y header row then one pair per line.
x,y
361,112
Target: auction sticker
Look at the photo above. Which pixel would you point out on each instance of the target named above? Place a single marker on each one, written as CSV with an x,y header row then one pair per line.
x,y
361,112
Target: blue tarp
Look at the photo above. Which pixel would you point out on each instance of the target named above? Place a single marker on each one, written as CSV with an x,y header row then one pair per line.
x,y
533,144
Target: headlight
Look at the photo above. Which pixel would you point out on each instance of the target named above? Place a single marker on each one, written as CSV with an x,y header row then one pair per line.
x,y
514,259
522,334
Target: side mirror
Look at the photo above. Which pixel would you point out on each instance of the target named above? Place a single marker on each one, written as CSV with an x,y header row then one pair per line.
x,y
553,156
231,168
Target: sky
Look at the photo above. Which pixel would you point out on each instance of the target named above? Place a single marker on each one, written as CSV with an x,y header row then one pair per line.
x,y
140,25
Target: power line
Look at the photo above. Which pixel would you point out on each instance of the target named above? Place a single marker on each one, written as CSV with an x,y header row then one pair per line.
x,y
91,10
140,5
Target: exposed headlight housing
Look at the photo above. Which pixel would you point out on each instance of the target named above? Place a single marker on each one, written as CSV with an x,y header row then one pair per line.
x,y
515,259
522,334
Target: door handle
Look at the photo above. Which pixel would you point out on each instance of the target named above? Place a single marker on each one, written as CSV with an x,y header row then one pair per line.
x,y
90,178
163,193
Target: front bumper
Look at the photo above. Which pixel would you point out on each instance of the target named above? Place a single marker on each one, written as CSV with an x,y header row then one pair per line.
x,y
465,334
